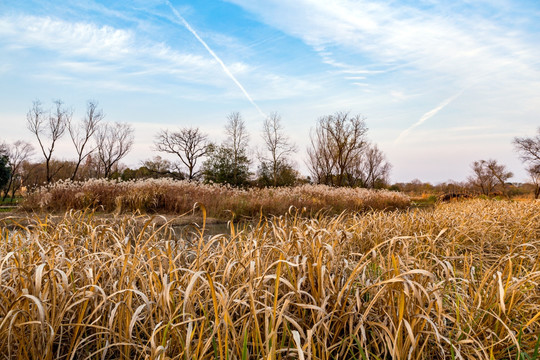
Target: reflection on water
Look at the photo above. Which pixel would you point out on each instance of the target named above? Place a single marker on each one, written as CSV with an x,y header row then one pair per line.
x,y
193,231
186,234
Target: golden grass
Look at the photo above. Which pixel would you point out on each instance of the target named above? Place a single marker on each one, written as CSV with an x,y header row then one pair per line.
x,y
177,197
461,280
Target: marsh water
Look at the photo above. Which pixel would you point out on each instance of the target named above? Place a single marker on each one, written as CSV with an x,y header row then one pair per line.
x,y
189,232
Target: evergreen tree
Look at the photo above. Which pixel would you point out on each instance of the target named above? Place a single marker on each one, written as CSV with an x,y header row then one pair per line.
x,y
5,169
223,167
285,175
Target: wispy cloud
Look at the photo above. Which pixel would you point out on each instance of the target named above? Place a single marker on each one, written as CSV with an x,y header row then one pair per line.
x,y
426,42
76,38
217,58
85,52
426,117
95,46
397,62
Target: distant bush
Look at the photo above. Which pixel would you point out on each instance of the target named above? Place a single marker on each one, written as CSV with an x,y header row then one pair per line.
x,y
170,196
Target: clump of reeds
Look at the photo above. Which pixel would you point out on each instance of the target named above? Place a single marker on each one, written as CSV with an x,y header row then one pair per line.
x,y
460,281
178,197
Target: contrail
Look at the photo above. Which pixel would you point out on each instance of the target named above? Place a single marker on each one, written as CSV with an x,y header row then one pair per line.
x,y
225,68
427,116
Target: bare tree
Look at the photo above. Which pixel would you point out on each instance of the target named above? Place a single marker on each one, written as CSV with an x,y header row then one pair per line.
x,y
113,141
373,169
487,175
481,178
534,173
529,152
529,148
51,130
18,153
499,172
82,133
237,141
189,144
277,145
336,146
320,160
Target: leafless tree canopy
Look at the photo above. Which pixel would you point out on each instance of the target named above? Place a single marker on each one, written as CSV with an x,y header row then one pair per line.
x,y
4,150
113,141
18,152
529,152
373,170
237,140
237,135
189,144
277,145
48,129
500,173
534,173
336,147
482,178
529,148
487,175
82,133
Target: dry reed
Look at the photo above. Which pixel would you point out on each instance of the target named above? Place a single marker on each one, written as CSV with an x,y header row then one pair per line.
x,y
459,281
178,197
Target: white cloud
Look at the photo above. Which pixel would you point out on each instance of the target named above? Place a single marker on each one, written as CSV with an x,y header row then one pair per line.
x,y
73,38
390,34
428,115
217,58
88,47
121,59
429,51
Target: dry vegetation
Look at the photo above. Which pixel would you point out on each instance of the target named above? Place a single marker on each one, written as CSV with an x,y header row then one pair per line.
x,y
178,197
458,281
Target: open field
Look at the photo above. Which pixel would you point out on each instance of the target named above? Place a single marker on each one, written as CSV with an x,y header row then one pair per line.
x,y
461,280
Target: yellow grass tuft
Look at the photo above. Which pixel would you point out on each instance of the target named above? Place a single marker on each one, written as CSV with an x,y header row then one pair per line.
x,y
459,281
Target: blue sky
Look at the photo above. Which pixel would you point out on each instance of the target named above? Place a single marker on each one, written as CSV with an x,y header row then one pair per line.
x,y
441,84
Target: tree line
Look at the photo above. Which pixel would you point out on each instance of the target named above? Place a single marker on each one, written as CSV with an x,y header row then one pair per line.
x,y
339,154
98,147
489,177
341,139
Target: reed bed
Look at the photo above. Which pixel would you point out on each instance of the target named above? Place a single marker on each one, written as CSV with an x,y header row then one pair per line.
x,y
460,281
178,197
